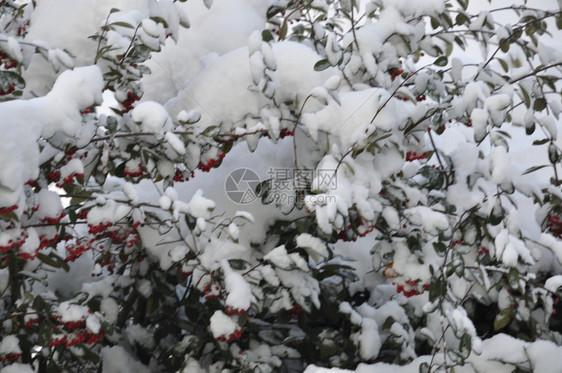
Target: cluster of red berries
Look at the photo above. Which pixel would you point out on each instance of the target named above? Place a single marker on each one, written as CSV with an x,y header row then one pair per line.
x,y
412,156
10,89
54,176
23,28
211,163
184,273
138,173
54,220
10,357
295,310
7,210
456,242
211,292
82,214
32,183
483,251
409,288
68,179
15,242
234,311
29,256
98,228
72,153
83,336
129,101
351,233
394,73
402,98
421,98
181,176
7,60
286,132
77,249
45,242
87,110
554,224
129,238
30,323
234,336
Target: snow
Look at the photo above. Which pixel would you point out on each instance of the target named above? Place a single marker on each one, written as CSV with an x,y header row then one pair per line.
x,y
432,221
10,345
25,121
117,360
500,353
17,368
369,340
151,116
222,325
308,241
93,324
136,334
279,257
201,207
239,291
69,312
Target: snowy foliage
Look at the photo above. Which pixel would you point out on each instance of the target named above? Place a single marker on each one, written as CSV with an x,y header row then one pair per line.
x,y
279,185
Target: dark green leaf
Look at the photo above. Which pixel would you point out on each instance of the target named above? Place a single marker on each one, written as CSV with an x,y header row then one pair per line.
x,y
553,155
321,65
540,142
461,19
534,168
121,24
441,61
526,97
539,104
504,45
266,36
503,64
503,318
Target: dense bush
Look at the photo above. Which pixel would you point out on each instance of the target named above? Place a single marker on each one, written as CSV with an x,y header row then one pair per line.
x,y
410,213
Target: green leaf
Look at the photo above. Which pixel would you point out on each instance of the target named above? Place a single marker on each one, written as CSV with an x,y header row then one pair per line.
x,y
321,65
534,168
8,78
462,19
424,368
539,104
53,260
526,97
465,345
160,20
121,24
504,45
540,142
503,64
502,319
553,155
530,128
441,61
435,23
266,36
113,10
283,31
